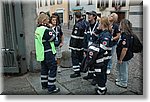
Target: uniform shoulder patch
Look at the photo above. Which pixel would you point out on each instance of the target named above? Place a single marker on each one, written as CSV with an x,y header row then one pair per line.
x,y
91,53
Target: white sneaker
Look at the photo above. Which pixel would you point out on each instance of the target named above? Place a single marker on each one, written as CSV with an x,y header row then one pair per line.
x,y
117,80
108,71
121,85
58,69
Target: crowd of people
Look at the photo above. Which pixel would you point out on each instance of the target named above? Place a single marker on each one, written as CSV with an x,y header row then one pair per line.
x,y
93,43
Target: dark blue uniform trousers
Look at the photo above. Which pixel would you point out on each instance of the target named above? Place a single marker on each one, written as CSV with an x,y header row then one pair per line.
x,y
77,57
48,71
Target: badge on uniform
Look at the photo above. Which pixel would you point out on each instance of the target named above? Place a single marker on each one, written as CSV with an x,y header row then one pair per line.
x,y
50,33
104,42
124,42
91,53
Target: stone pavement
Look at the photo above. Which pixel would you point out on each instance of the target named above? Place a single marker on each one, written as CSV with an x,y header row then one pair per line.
x,y
75,86
29,84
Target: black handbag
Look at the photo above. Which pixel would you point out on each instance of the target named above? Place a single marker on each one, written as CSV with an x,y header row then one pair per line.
x,y
90,59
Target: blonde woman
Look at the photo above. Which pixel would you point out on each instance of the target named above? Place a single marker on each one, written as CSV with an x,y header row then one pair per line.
x,y
115,31
45,53
105,44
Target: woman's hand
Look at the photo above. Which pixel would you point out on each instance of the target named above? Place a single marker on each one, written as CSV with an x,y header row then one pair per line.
x,y
119,61
84,54
61,44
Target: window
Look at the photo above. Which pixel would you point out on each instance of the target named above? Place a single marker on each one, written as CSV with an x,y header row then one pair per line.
x,y
70,17
107,3
90,2
123,2
118,2
59,1
102,3
98,3
40,3
52,2
113,3
37,5
46,3
78,3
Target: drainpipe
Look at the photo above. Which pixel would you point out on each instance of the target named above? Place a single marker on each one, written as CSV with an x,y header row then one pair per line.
x,y
68,13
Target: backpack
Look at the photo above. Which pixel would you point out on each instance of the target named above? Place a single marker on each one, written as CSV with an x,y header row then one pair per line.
x,y
136,44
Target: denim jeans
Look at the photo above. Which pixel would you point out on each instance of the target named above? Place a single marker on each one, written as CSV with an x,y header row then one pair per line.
x,y
113,53
122,74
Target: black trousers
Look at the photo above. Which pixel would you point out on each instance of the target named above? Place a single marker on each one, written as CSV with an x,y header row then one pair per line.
x,y
77,57
100,71
101,76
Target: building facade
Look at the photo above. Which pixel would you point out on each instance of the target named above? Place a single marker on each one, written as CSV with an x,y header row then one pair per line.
x,y
136,16
129,9
51,6
65,8
123,8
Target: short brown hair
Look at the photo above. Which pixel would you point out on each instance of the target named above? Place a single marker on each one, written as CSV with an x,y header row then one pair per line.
x,y
53,16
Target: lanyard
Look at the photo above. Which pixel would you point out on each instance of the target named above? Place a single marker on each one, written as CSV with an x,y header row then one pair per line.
x,y
56,32
91,31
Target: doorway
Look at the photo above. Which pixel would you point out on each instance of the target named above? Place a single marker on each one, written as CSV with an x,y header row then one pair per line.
x,y
13,48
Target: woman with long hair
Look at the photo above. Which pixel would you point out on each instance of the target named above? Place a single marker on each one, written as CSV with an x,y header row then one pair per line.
x,y
124,53
59,39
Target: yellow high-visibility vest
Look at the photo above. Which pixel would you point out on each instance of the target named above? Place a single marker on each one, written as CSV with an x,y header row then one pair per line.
x,y
39,47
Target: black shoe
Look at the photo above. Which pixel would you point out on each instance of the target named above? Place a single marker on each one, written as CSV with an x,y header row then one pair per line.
x,y
88,77
101,92
54,91
74,75
93,82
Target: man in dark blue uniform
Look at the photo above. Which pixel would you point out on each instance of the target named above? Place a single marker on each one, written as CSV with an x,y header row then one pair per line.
x,y
76,44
